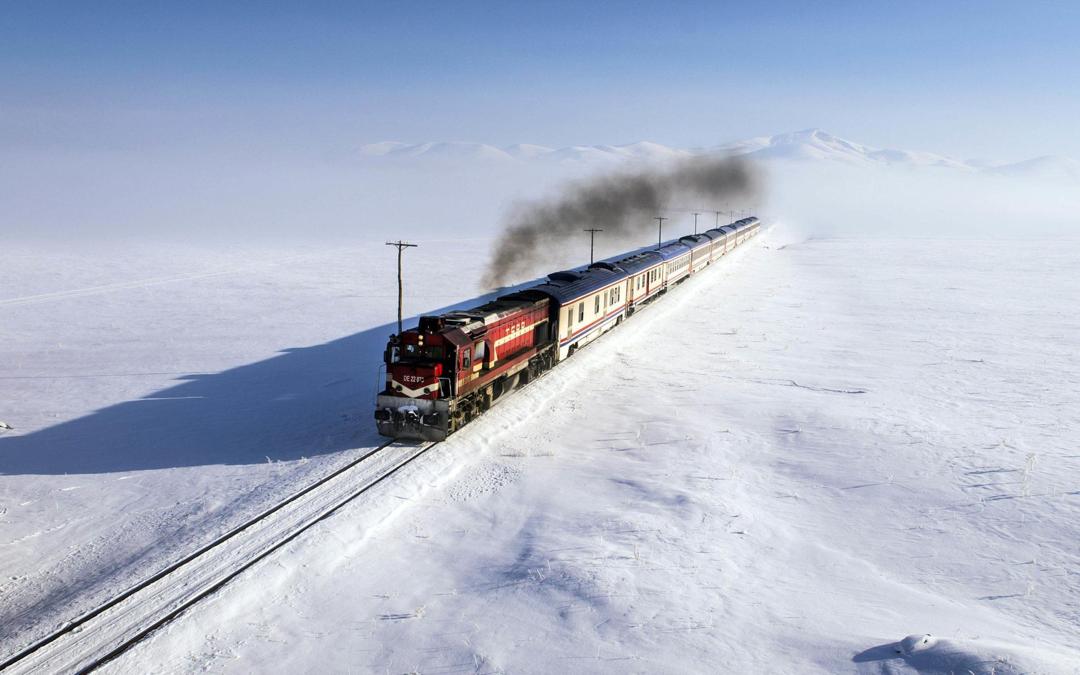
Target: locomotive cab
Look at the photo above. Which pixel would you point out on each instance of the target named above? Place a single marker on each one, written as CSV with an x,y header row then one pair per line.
x,y
420,364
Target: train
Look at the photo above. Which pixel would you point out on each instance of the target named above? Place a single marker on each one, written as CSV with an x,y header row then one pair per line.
x,y
452,367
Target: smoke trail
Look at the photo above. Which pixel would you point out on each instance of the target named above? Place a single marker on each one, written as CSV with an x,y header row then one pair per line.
x,y
621,204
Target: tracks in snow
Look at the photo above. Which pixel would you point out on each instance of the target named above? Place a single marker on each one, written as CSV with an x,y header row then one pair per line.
x,y
93,639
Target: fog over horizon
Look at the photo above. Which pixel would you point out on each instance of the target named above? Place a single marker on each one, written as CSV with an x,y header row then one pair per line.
x,y
224,198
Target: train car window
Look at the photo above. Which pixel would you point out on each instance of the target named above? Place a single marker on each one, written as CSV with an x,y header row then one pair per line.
x,y
480,352
581,311
410,350
466,358
596,305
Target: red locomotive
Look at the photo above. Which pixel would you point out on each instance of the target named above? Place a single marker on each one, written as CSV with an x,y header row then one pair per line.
x,y
452,367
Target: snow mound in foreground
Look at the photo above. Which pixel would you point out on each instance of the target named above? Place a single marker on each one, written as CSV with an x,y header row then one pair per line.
x,y
929,655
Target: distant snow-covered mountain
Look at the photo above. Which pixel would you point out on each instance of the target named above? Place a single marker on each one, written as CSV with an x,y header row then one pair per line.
x,y
1048,166
808,145
815,144
576,154
436,150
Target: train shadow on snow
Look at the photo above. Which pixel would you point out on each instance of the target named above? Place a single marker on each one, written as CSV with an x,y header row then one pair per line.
x,y
303,402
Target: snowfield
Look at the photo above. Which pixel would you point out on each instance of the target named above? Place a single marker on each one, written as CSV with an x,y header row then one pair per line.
x,y
792,463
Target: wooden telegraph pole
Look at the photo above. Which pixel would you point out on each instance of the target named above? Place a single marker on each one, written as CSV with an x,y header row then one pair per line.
x,y
592,240
401,246
696,214
660,233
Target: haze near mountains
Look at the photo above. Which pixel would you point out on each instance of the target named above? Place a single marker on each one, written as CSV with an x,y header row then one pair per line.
x,y
809,145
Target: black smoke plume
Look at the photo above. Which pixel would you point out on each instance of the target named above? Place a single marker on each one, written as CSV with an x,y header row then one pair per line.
x,y
623,204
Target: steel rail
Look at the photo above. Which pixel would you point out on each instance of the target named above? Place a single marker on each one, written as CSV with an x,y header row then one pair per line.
x,y
74,624
142,634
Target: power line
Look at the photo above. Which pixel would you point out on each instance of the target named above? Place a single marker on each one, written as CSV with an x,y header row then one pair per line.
x,y
592,240
660,234
401,246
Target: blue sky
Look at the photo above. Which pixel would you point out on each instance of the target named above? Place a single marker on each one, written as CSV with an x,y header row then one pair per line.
x,y
967,78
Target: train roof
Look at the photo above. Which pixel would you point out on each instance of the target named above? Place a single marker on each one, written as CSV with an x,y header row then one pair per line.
x,y
673,249
475,320
637,261
571,284
695,240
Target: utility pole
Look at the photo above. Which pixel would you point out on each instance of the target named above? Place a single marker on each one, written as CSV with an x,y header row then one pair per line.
x,y
660,234
696,214
401,246
592,240
717,219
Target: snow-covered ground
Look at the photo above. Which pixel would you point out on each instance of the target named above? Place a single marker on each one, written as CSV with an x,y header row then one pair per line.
x,y
788,465
159,394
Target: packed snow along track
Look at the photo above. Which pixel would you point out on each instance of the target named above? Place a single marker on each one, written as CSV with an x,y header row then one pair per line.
x,y
104,633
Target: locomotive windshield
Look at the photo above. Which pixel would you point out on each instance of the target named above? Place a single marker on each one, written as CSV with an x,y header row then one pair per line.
x,y
412,352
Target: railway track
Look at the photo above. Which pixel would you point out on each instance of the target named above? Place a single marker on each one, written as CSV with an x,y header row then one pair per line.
x,y
104,633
